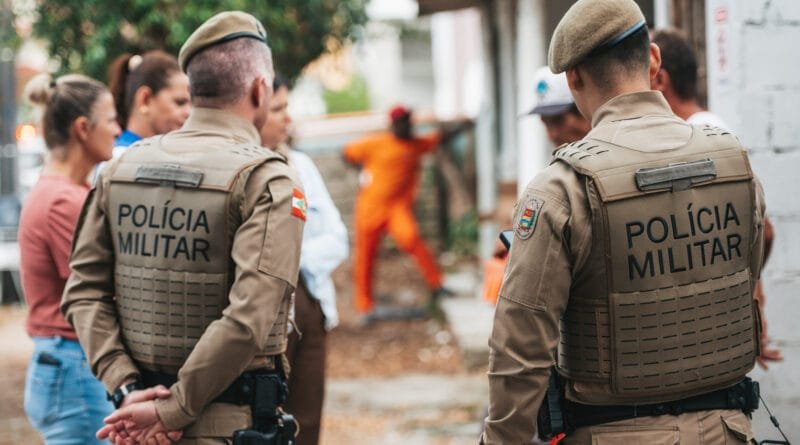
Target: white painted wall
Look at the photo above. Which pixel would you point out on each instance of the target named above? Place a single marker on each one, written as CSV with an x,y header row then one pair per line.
x,y
533,147
506,82
754,84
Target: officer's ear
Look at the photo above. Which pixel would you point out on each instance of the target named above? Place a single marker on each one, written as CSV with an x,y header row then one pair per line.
x,y
575,79
655,62
260,92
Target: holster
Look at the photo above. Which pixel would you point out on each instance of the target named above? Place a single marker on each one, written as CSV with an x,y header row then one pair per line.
x,y
550,419
271,426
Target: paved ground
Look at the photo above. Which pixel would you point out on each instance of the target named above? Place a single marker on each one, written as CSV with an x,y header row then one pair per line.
x,y
434,409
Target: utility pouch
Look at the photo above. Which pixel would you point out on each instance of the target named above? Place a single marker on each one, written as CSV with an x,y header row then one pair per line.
x,y
550,420
270,392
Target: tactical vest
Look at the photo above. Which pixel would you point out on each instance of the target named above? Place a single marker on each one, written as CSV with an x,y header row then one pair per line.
x,y
663,308
172,219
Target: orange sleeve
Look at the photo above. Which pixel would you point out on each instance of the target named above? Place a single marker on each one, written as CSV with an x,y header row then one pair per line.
x,y
358,150
429,142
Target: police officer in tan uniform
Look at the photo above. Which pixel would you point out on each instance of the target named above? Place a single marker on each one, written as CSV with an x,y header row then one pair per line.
x,y
186,257
633,262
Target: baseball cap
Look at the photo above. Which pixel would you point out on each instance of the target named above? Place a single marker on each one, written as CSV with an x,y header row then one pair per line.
x,y
552,92
398,112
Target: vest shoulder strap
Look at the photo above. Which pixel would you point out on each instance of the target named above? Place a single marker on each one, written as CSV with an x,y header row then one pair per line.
x,y
711,156
217,168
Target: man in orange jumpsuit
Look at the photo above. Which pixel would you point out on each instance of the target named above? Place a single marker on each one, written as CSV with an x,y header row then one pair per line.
x,y
390,164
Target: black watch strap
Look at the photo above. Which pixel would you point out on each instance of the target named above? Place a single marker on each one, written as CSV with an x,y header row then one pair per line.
x,y
119,395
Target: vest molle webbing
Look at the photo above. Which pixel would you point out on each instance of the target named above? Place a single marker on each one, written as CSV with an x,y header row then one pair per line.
x,y
672,314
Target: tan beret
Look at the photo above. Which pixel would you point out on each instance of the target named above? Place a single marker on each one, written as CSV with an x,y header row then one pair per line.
x,y
592,25
221,28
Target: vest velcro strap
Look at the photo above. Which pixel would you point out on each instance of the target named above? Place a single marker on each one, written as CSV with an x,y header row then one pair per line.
x,y
676,177
169,175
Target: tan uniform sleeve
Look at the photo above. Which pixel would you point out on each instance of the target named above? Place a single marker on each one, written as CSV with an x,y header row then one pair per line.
x,y
88,300
532,300
266,254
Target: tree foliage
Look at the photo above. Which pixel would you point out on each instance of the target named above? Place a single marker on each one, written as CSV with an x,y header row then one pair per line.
x,y
86,35
8,35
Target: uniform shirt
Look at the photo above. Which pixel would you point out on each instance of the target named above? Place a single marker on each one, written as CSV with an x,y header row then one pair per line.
x,y
390,165
541,270
45,235
324,238
260,254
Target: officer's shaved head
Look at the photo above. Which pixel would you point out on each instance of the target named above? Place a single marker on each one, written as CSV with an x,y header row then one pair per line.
x,y
630,58
221,74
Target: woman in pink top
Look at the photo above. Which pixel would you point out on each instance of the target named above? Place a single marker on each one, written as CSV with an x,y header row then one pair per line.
x,y
63,400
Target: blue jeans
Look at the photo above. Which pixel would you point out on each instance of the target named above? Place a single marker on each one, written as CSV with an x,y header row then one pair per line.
x,y
63,400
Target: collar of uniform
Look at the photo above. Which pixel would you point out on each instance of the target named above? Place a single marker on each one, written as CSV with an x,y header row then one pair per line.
x,y
223,122
632,105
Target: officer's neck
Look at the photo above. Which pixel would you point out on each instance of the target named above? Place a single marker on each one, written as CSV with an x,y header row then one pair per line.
x,y
598,95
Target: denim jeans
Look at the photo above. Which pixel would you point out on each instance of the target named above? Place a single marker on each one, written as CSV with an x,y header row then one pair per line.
x,y
63,400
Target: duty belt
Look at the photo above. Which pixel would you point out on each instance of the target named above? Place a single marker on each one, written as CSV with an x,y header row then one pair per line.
x,y
240,392
742,396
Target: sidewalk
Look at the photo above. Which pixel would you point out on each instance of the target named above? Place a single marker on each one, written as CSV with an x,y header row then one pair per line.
x,y
422,409
469,318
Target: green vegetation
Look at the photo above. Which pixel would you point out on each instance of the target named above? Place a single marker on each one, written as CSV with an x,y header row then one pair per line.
x,y
86,35
355,97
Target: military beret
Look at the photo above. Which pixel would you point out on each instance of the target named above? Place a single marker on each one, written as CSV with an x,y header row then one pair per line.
x,y
221,28
591,26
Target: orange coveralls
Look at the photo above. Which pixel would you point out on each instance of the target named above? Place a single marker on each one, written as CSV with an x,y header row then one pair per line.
x,y
385,204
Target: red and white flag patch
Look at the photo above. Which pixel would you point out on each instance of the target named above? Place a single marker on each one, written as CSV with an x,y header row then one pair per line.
x,y
299,204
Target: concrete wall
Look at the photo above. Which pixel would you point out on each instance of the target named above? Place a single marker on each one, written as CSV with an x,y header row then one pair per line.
x,y
754,84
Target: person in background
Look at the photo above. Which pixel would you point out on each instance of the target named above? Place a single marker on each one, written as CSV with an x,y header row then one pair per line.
x,y
390,164
151,94
556,108
63,400
677,81
564,124
324,248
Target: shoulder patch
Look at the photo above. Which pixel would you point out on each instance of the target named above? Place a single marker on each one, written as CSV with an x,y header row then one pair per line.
x,y
299,204
527,216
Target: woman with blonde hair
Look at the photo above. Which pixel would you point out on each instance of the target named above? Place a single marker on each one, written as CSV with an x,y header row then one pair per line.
x,y
63,400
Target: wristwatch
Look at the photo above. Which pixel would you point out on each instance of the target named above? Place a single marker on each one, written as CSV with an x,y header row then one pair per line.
x,y
119,395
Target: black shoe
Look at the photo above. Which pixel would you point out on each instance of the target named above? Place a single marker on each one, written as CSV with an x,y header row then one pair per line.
x,y
442,292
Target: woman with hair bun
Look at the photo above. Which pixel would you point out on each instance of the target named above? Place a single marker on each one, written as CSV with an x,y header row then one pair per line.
x,y
151,93
63,400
